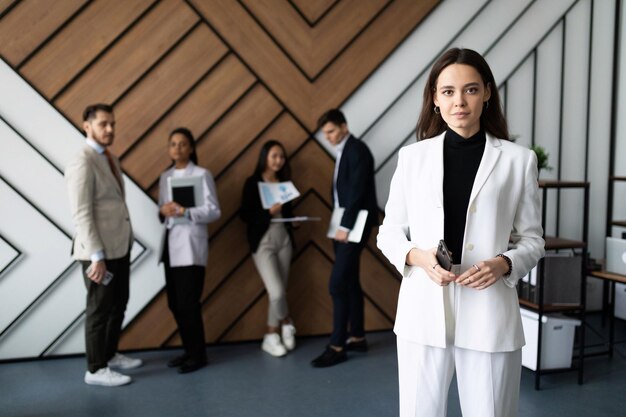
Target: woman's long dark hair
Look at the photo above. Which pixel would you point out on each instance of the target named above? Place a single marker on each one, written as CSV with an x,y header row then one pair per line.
x,y
285,172
492,119
187,134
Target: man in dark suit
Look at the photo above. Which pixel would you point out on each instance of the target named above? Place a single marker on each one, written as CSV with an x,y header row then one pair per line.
x,y
354,190
102,244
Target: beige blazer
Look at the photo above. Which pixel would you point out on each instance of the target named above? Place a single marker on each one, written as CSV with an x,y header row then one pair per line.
x,y
504,203
100,215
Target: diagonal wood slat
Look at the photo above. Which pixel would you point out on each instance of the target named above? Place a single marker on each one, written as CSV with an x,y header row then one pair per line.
x,y
313,10
314,47
5,4
308,100
215,94
230,137
128,60
80,42
36,18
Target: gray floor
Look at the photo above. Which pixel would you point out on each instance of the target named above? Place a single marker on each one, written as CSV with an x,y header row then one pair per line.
x,y
243,381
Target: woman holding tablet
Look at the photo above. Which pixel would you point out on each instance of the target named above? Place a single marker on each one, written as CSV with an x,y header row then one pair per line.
x,y
186,248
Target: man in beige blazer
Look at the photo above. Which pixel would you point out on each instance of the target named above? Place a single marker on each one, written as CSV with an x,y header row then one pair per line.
x,y
102,242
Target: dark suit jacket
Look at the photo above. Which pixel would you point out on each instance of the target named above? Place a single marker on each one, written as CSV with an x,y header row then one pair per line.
x,y
356,188
255,216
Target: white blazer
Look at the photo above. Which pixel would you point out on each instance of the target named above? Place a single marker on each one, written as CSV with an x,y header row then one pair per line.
x,y
504,203
189,242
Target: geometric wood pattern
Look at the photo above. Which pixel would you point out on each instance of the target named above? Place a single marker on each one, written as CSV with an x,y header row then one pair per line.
x,y
236,73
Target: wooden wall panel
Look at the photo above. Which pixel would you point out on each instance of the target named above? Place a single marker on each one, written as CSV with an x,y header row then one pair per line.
x,y
5,4
237,73
252,325
312,48
313,10
252,43
214,95
129,59
150,328
80,42
223,309
35,18
308,99
230,137
346,72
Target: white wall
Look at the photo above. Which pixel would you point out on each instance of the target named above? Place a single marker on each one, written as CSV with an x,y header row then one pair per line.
x,y
619,207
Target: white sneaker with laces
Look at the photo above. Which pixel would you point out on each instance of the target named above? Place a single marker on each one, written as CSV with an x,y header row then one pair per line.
x,y
120,361
273,346
105,377
289,336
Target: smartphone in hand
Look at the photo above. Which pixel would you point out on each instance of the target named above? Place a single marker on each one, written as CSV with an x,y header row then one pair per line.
x,y
108,276
444,256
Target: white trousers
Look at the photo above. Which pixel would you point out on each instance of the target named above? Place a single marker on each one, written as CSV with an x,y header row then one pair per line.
x,y
488,383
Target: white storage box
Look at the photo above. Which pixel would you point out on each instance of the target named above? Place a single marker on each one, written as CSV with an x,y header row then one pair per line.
x,y
557,342
620,301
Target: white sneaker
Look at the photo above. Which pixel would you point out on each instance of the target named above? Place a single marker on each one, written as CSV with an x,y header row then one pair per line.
x,y
273,346
289,336
120,361
107,378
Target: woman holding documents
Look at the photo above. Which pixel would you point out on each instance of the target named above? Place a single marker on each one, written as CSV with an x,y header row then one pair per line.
x,y
467,184
271,243
188,202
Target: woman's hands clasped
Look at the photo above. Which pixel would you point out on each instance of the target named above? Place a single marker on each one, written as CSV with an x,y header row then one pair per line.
x,y
479,276
483,274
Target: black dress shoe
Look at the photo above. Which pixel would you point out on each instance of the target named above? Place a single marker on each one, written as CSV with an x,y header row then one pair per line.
x,y
177,361
360,346
191,365
330,357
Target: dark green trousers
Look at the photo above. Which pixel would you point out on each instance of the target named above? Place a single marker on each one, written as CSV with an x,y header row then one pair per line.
x,y
106,305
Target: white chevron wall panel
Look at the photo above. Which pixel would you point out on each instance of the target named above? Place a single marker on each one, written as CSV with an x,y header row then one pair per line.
x,y
8,256
45,256
44,141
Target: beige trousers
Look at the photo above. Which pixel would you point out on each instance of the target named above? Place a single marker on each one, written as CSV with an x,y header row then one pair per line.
x,y
272,260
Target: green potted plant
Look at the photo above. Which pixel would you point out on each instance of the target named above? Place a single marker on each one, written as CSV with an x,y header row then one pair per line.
x,y
542,158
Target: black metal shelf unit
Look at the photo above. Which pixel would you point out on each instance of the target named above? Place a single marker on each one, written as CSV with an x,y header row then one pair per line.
x,y
537,303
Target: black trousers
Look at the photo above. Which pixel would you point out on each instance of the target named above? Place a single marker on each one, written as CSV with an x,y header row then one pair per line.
x,y
183,285
345,291
106,305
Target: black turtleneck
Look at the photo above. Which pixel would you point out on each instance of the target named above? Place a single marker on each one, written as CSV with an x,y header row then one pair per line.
x,y
461,159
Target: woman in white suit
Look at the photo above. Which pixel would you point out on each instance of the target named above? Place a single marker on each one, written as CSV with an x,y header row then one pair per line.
x,y
186,248
466,183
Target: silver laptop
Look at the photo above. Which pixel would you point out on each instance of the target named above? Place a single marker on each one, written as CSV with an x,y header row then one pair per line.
x,y
616,255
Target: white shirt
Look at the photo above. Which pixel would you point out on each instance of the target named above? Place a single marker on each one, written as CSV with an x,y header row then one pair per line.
x,y
339,150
